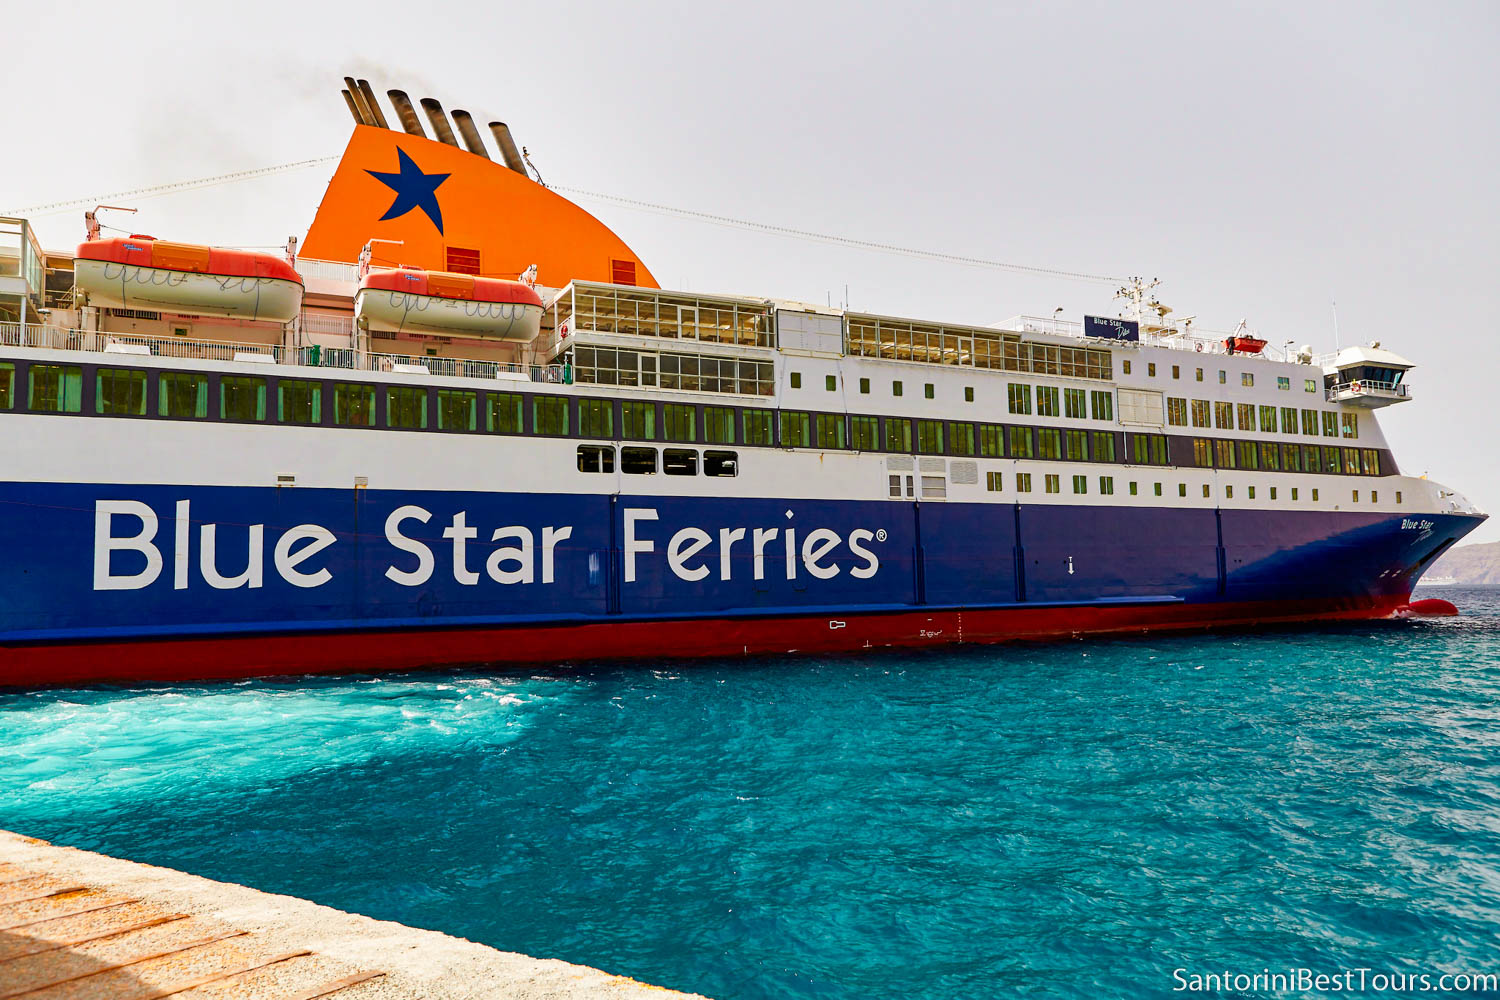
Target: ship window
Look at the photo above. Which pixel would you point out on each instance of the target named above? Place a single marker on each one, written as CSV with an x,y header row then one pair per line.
x,y
994,481
1398,496
55,388
1048,442
968,394
1107,486
1177,411
1020,442
1351,461
1182,489
1356,495
1374,496
679,461
1310,423
679,422
406,409
796,429
897,434
1273,493
1330,424
549,415
864,386
895,487
1247,416
1294,492
1053,483
1158,489
299,402
1270,456
504,413
1177,371
895,388
1252,492
721,463
1224,416
596,458
1047,401
1151,368
1288,420
961,438
934,488
242,398
1369,461
831,383
1080,484
638,420
1224,454
930,437
1200,413
991,441
1159,449
1075,404
1077,446
1283,383
596,418
758,427
121,390
1019,397
1247,379
7,384
1330,460
1203,453
1291,457
353,405
458,410
1134,489
1268,419
1315,493
795,380
1223,376
718,425
1229,491
1125,366
1351,425
638,461
1199,375
1310,385
1206,492
929,390
181,394
1249,455
1023,482
1104,446
830,429
864,433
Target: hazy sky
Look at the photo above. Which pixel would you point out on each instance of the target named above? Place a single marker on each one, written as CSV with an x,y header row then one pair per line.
x,y
1261,159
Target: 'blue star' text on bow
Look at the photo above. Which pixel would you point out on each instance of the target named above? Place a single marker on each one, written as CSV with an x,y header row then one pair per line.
x,y
414,189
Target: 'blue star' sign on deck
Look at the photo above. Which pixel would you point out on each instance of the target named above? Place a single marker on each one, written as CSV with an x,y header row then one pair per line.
x,y
414,189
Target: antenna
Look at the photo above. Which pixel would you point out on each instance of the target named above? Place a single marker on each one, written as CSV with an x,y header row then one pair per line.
x,y
1335,305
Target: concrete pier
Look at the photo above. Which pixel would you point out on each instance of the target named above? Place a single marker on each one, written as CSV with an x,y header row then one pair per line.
x,y
81,926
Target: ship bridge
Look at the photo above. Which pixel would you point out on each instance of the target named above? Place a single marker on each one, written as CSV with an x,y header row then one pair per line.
x,y
1367,376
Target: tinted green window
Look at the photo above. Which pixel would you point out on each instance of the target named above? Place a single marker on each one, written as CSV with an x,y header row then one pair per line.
x,y
991,441
181,394
1075,403
1047,404
796,429
1177,411
1104,446
1048,443
930,437
120,390
299,402
1018,397
1351,461
1310,423
1020,442
897,434
7,385
680,421
1291,457
406,408
1139,448
55,388
758,427
457,410
718,425
895,388
1270,455
1288,420
1330,424
1203,453
864,385
864,432
1249,455
831,382
1077,446
1080,484
638,421
242,398
1351,425
549,415
353,405
504,413
961,438
596,418
830,430
1247,416
928,390
1330,459
1159,451
1224,455
1104,404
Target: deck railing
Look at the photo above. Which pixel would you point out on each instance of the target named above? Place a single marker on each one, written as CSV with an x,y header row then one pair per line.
x,y
1367,387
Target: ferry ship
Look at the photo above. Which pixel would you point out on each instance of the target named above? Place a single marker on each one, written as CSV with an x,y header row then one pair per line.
x,y
460,422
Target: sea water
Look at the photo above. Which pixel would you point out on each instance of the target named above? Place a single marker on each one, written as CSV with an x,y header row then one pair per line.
x,y
1073,818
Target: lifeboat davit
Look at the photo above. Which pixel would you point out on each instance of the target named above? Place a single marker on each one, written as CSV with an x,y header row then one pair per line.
x,y
139,272
409,300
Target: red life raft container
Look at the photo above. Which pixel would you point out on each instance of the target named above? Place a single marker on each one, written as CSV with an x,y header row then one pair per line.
x,y
141,272
1244,345
409,300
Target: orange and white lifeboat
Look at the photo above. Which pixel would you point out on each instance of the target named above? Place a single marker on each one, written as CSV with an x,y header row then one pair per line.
x,y
409,300
139,272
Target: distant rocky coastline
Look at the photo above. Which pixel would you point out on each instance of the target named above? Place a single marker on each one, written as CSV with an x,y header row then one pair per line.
x,y
1468,565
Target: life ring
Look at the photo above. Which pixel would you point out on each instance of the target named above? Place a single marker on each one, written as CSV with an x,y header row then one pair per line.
x,y
1354,386
1198,348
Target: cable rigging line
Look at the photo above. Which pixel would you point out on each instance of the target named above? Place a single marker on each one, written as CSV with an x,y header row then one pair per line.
x,y
172,188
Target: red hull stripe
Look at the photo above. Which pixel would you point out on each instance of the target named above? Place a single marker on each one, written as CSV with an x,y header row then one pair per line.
x,y
362,652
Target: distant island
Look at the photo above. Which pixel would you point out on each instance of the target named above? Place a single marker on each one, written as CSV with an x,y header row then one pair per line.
x,y
1468,565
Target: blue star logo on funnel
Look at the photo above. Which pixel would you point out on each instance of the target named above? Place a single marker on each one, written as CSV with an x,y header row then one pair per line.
x,y
414,189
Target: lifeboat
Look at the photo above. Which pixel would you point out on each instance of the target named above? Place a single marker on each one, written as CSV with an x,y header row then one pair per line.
x,y
1244,345
409,300
139,272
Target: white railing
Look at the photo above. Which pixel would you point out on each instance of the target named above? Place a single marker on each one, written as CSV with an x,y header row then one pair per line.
x,y
327,270
59,339
328,326
1368,387
1200,341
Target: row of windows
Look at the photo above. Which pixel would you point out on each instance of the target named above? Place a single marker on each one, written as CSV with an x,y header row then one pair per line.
x,y
245,398
1263,418
638,461
1052,483
692,372
1247,379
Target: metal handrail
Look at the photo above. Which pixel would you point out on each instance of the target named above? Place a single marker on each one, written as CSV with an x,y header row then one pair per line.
x,y
1365,385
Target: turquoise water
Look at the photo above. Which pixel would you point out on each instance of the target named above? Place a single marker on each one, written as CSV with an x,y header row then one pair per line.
x,y
1066,819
